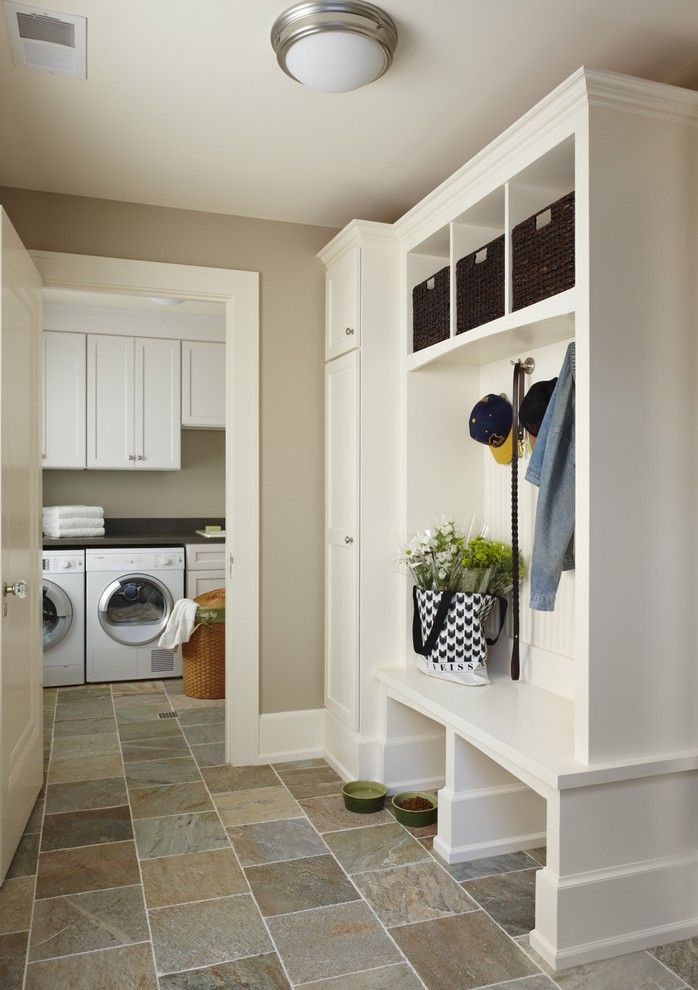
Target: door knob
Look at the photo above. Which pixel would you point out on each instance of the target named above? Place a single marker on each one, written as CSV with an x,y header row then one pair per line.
x,y
18,589
349,331
348,539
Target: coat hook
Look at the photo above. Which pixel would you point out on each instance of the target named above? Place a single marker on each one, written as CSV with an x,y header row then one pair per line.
x,y
528,365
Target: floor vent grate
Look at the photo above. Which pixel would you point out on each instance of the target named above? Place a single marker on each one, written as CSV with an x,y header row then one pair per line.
x,y
168,714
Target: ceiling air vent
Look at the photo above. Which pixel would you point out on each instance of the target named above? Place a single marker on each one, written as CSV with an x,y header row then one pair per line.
x,y
47,40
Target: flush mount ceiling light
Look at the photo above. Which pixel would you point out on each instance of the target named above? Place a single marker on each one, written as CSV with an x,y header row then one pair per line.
x,y
166,300
334,45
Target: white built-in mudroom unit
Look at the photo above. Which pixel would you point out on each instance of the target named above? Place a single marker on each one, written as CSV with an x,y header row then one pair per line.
x,y
595,750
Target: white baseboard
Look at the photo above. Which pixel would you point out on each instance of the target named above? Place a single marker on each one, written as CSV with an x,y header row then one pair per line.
x,y
608,948
286,736
463,854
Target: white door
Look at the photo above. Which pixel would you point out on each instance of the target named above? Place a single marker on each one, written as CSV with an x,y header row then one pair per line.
x,y
21,728
342,538
110,378
203,384
64,434
343,304
158,405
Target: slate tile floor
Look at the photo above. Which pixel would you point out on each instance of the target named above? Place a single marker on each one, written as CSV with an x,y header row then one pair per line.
x,y
149,865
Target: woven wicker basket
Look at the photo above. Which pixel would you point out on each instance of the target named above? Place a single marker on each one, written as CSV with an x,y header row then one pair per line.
x,y
480,286
431,310
203,657
543,255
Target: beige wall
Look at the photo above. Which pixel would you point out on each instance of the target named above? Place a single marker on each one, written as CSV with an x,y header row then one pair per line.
x,y
197,490
291,392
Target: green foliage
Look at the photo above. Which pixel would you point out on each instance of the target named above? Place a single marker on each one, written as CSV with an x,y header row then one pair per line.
x,y
482,553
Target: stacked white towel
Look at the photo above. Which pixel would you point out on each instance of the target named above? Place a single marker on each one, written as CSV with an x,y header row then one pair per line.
x,y
73,520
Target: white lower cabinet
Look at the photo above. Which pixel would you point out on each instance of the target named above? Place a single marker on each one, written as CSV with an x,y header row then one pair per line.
x,y
133,403
203,384
205,568
64,382
342,392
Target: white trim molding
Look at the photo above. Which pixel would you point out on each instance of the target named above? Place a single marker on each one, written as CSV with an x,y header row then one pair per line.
x,y
286,736
239,290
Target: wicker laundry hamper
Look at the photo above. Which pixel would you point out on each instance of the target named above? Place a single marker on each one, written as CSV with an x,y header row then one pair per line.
x,y
203,657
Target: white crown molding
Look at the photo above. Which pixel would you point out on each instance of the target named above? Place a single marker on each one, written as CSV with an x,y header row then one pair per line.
x,y
355,232
650,99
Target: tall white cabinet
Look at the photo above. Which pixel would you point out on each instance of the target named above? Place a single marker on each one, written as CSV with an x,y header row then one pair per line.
x,y
361,471
64,383
133,403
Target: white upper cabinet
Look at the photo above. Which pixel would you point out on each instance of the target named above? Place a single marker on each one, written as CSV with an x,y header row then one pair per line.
x,y
133,403
157,399
64,383
203,384
343,304
110,385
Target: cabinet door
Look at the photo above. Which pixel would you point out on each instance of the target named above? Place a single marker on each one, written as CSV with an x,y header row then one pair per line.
x,y
203,384
343,304
199,582
65,383
342,538
158,403
110,377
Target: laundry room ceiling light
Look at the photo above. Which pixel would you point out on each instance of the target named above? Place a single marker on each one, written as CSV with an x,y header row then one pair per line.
x,y
334,45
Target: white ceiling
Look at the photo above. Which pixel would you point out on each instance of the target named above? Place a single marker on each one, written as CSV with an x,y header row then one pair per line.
x,y
185,106
141,304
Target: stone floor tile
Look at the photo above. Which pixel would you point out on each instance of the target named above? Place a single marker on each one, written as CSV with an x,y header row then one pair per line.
x,y
396,977
159,748
36,817
509,898
201,716
170,771
331,941
540,855
539,982
71,871
125,967
408,894
25,859
206,933
301,764
169,799
464,951
16,898
474,869
64,771
84,692
169,836
211,732
254,973
682,958
636,971
209,755
82,922
85,726
227,778
182,703
328,814
148,698
140,713
152,729
272,842
86,828
173,685
121,689
299,884
312,782
192,877
13,953
259,804
83,795
89,708
375,848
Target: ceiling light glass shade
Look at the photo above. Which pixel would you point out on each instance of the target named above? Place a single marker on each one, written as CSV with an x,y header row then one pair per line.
x,y
166,300
334,45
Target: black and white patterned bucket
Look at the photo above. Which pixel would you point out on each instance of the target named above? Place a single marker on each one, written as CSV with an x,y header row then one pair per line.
x,y
460,651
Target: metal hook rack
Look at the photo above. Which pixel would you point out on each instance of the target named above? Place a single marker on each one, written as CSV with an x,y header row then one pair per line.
x,y
528,364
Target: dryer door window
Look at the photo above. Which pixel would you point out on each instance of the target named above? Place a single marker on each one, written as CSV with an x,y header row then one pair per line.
x,y
57,615
134,609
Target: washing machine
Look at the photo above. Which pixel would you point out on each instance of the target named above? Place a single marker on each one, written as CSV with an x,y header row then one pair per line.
x,y
64,617
130,595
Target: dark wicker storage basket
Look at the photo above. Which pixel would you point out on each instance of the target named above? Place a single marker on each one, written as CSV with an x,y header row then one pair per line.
x,y
431,310
203,657
480,286
543,256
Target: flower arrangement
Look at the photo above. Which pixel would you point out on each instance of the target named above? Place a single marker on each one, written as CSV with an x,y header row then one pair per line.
x,y
446,558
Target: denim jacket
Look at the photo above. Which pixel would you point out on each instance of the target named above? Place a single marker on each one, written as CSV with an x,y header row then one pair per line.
x,y
552,470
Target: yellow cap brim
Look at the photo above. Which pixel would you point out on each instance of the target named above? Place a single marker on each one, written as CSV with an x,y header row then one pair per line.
x,y
503,453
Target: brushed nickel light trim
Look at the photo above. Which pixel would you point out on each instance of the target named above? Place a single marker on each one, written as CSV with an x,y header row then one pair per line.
x,y
316,16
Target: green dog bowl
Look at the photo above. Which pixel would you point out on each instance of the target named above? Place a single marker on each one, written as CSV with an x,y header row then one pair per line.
x,y
364,796
415,819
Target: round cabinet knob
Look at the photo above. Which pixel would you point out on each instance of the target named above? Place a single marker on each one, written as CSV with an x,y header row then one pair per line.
x,y
348,539
349,331
18,589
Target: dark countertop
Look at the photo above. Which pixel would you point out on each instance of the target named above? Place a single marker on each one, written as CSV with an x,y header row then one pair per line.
x,y
140,533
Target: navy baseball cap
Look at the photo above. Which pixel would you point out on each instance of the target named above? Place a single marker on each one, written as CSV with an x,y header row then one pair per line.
x,y
490,422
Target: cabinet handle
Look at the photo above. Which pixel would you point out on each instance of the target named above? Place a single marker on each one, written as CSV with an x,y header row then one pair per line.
x,y
141,457
349,331
348,539
131,457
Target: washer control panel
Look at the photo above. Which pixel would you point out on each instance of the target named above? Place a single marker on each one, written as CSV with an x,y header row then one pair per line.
x,y
63,561
132,561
